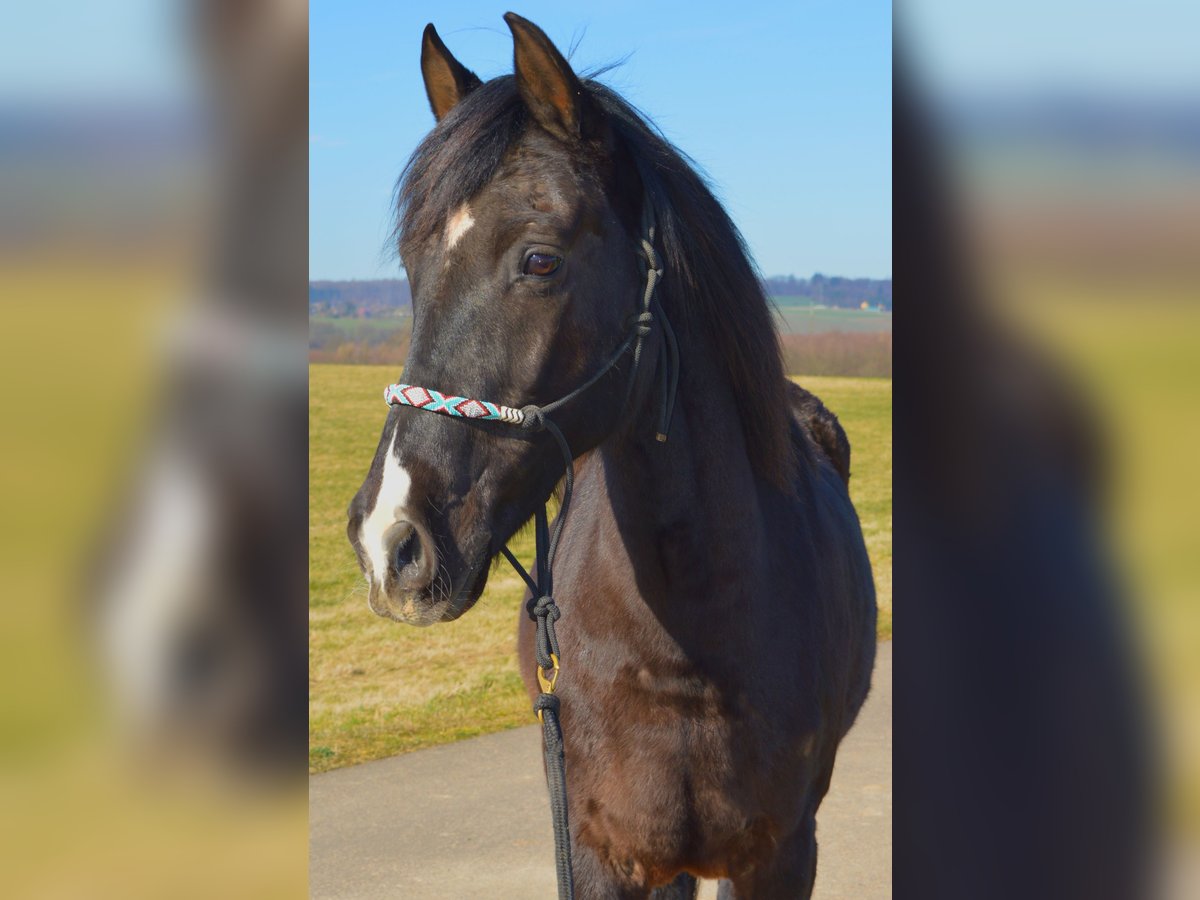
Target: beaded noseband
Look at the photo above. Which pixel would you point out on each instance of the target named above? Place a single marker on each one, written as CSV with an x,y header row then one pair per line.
x,y
541,606
457,407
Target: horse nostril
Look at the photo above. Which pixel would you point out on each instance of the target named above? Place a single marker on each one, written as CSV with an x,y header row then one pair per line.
x,y
411,556
408,549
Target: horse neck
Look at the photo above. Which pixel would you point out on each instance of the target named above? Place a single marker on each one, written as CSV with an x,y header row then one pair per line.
x,y
687,509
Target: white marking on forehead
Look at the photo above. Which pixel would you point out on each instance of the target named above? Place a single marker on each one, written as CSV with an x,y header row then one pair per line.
x,y
389,506
457,225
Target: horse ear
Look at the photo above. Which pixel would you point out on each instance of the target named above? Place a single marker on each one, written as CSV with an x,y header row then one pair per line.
x,y
548,86
447,80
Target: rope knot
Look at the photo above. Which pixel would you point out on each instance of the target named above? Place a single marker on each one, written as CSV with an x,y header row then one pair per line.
x,y
533,419
546,701
642,323
543,608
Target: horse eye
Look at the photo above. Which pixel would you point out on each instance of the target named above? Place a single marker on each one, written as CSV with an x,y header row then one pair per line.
x,y
541,264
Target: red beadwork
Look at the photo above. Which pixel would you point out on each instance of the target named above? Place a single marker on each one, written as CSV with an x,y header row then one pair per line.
x,y
471,409
417,396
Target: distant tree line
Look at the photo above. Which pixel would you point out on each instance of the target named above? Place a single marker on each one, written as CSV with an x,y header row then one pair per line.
x,y
847,293
387,298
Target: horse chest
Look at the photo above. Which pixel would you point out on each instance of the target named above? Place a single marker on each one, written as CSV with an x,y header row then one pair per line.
x,y
669,785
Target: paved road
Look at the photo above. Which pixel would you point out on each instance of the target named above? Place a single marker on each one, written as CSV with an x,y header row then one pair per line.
x,y
471,819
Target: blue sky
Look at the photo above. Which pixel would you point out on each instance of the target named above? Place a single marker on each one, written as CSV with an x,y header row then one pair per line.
x,y
786,105
1137,49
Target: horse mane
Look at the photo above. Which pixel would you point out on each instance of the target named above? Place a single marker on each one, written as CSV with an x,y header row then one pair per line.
x,y
710,290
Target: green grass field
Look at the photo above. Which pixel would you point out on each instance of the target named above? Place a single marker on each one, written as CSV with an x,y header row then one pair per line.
x,y
799,315
377,688
349,324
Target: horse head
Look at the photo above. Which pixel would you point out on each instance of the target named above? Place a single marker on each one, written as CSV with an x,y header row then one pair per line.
x,y
519,226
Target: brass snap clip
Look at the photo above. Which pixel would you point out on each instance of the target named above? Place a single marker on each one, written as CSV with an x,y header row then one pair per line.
x,y
548,681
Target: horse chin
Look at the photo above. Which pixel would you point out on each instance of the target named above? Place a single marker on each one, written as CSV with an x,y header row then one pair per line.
x,y
472,589
468,594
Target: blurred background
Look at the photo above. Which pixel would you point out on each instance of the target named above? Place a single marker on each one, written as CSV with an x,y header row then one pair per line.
x,y
1048,231
153,248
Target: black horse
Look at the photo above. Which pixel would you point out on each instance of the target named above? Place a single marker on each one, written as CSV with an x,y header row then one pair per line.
x,y
718,610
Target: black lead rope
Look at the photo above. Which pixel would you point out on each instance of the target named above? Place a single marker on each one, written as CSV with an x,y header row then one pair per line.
x,y
541,606
545,612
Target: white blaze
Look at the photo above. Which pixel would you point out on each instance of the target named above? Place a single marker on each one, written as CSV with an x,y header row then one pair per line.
x,y
158,590
458,225
389,506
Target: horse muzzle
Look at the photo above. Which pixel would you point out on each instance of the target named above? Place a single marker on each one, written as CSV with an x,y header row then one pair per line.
x,y
415,589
